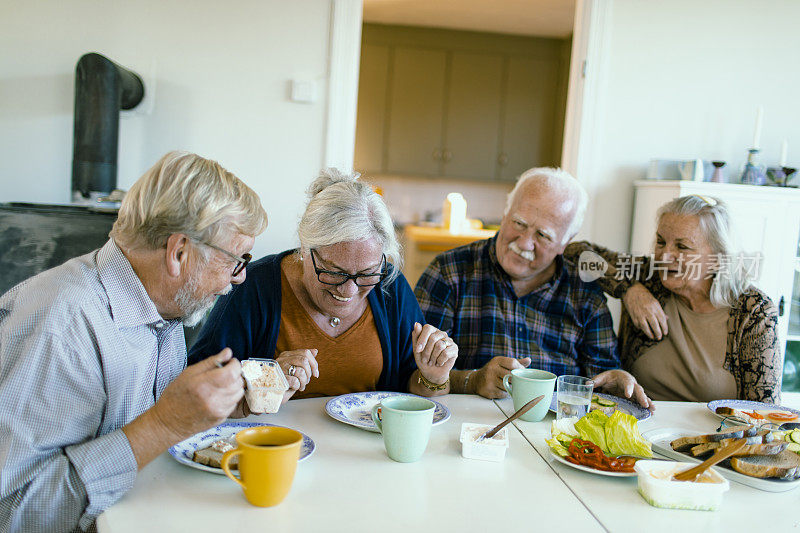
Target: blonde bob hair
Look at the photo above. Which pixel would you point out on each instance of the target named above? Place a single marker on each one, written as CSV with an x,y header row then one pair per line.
x,y
715,225
343,209
185,193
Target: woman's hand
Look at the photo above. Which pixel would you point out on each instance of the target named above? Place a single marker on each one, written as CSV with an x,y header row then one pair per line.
x,y
434,352
645,311
299,366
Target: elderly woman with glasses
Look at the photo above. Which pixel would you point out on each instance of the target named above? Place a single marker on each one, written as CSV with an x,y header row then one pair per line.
x,y
692,327
336,313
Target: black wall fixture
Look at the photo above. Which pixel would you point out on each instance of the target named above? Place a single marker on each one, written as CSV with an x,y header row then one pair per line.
x,y
102,88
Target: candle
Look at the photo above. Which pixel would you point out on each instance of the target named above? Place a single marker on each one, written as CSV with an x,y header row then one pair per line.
x,y
784,146
757,133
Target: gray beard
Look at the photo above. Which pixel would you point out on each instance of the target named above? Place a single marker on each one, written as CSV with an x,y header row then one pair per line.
x,y
193,310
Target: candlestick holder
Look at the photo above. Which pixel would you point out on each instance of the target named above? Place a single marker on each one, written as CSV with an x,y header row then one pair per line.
x,y
787,175
754,172
718,176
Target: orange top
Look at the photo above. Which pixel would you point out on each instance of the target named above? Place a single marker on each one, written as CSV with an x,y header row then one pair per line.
x,y
351,362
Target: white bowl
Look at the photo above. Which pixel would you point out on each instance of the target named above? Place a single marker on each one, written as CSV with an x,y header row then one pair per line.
x,y
493,449
659,490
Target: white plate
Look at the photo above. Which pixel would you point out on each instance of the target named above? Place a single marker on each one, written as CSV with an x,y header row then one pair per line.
x,y
590,469
662,437
183,451
747,405
356,408
626,406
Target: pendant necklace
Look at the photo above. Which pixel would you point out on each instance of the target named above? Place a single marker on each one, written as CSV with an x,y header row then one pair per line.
x,y
334,321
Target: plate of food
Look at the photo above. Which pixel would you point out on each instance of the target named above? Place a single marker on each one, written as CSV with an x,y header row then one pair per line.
x,y
204,450
356,408
595,470
756,413
765,463
600,444
608,404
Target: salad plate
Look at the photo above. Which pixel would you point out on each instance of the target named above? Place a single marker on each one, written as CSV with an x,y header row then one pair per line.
x,y
661,439
184,450
589,468
626,406
356,408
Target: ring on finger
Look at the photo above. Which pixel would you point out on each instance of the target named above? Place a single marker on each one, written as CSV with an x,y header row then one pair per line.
x,y
292,370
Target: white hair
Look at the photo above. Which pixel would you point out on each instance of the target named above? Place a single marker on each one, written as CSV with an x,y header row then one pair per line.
x,y
185,193
343,209
559,181
715,225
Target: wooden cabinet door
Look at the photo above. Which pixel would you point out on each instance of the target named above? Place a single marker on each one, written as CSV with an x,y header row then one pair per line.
x,y
473,115
416,96
529,116
371,114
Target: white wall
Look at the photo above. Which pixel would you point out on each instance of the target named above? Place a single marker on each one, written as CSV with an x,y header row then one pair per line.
x,y
221,89
682,79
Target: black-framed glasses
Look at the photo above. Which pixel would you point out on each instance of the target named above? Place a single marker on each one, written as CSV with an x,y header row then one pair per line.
x,y
241,262
329,277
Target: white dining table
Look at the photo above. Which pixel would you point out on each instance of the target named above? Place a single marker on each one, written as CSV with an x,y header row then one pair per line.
x,y
350,484
618,507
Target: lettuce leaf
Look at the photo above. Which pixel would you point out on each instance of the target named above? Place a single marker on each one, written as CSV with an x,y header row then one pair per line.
x,y
562,432
623,436
592,427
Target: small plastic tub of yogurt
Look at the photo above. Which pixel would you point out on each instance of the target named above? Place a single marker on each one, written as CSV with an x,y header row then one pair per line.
x,y
266,385
493,449
659,489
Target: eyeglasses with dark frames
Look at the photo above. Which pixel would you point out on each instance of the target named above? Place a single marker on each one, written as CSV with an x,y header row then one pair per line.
x,y
330,277
241,262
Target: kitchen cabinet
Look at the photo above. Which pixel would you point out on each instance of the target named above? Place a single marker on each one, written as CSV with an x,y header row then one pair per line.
x,y
766,221
421,244
477,109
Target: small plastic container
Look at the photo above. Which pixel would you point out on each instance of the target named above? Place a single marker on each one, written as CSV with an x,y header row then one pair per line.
x,y
659,489
493,449
266,385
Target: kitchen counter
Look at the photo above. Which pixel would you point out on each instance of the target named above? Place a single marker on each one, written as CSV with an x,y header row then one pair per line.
x,y
423,243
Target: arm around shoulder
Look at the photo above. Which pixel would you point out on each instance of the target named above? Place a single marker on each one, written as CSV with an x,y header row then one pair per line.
x,y
760,360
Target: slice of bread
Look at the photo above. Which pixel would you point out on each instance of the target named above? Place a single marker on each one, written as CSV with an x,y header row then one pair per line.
x,y
769,448
211,457
685,443
785,465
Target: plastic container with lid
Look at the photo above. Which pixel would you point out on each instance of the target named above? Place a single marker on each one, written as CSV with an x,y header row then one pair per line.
x,y
266,385
493,449
659,489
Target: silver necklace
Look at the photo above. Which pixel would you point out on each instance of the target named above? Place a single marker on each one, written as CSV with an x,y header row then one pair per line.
x,y
334,321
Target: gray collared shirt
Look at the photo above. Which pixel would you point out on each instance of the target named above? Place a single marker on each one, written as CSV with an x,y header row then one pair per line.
x,y
83,351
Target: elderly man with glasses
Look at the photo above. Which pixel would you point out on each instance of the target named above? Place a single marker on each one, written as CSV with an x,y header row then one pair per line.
x,y
93,376
336,313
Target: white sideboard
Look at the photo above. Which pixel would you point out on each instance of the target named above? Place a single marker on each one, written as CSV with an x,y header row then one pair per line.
x,y
766,220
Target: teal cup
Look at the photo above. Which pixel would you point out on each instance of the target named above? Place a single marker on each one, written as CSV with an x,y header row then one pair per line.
x,y
405,423
525,384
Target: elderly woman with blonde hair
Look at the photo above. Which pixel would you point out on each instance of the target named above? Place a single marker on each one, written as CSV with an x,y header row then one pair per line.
x,y
336,313
693,328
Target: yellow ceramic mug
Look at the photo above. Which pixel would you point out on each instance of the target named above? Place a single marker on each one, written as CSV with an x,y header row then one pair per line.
x,y
268,459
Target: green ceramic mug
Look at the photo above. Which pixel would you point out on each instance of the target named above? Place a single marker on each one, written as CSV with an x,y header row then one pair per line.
x,y
525,384
405,423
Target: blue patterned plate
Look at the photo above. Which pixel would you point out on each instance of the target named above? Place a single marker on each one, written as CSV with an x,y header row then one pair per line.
x,y
183,451
356,408
748,405
626,406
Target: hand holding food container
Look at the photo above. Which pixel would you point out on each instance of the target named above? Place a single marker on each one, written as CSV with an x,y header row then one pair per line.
x,y
525,384
268,461
265,385
573,396
405,423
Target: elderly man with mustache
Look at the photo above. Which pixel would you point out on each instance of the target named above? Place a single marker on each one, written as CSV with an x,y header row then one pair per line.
x,y
512,300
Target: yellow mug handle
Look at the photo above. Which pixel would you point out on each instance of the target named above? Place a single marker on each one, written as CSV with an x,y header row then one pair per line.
x,y
226,457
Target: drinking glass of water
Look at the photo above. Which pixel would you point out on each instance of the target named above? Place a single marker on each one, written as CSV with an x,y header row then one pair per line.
x,y
573,395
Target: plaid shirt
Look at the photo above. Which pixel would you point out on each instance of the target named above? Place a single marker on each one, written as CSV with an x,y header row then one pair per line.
x,y
564,326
